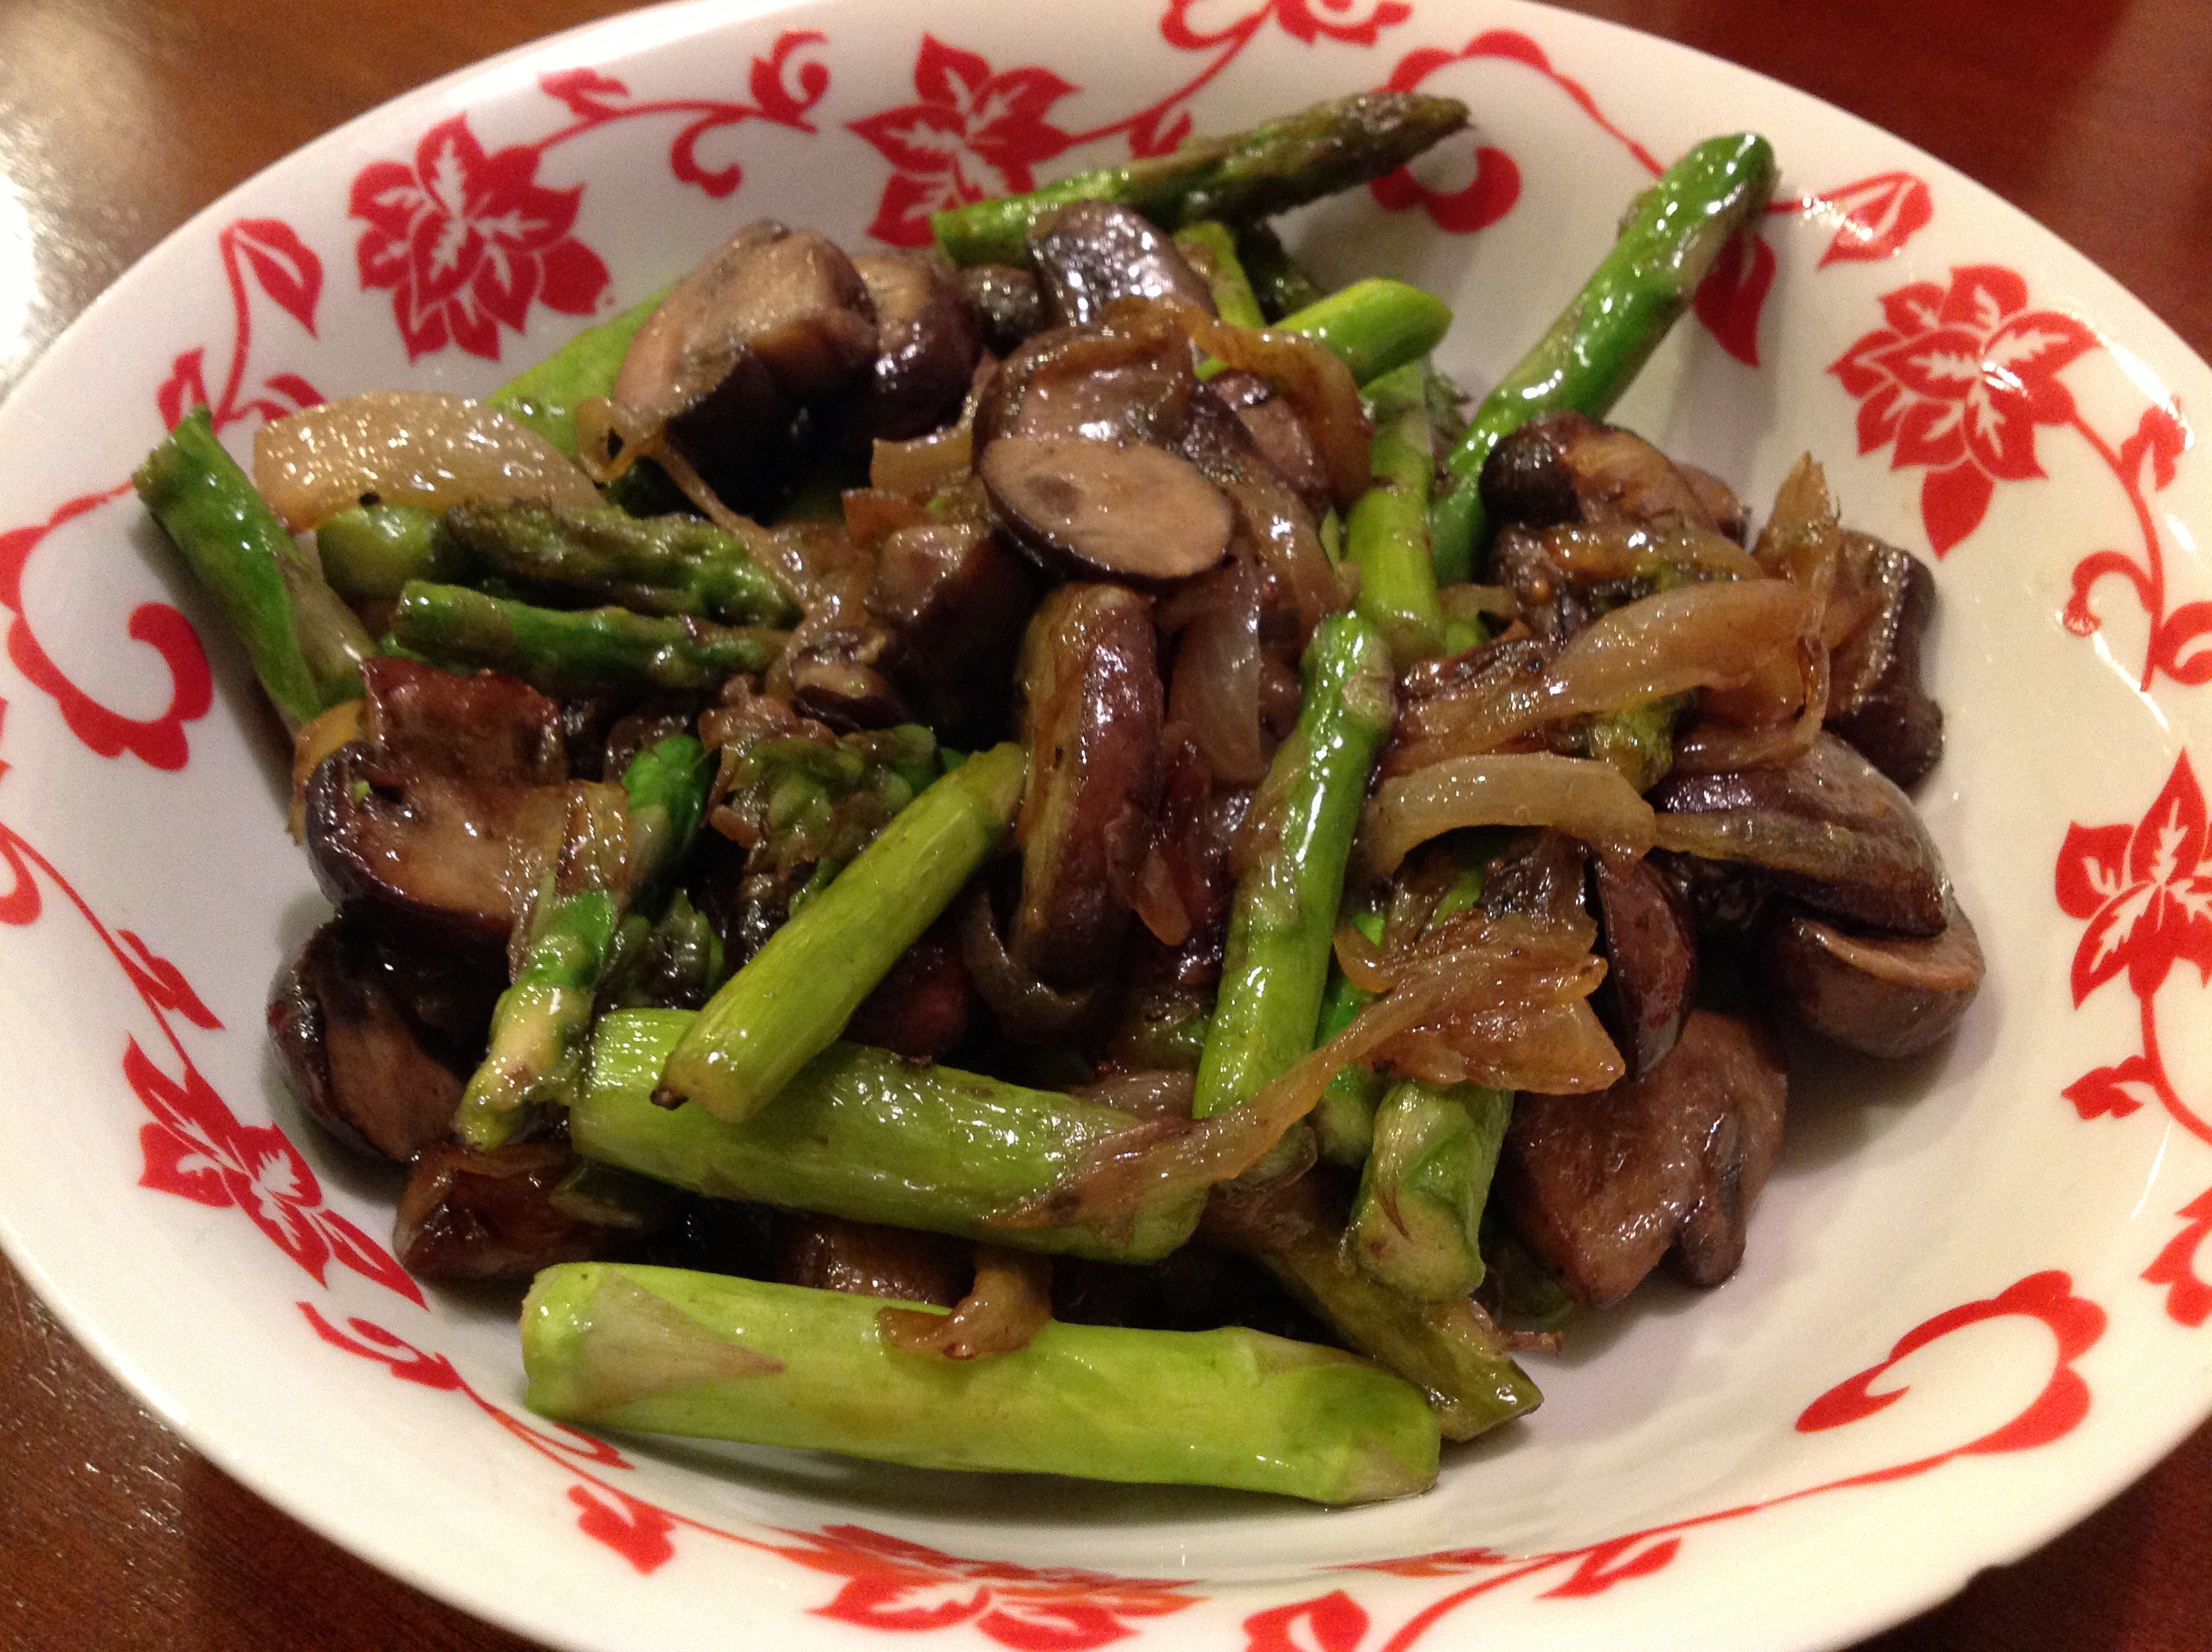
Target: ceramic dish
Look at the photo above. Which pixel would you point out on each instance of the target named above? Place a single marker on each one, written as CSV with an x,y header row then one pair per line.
x,y
1976,1296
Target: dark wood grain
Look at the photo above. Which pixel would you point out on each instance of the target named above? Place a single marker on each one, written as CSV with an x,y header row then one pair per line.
x,y
119,119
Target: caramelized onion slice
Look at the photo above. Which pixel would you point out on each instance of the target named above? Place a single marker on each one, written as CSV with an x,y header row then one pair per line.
x,y
409,448
1694,637
1579,795
1009,1303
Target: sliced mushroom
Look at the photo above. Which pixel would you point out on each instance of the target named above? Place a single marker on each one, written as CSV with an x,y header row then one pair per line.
x,y
927,338
1130,384
422,828
1651,959
1564,467
1267,508
491,1216
1875,697
955,599
1124,509
1887,995
1088,253
771,321
1280,433
1007,300
827,1253
1603,1187
1091,718
1827,827
921,1010
367,1065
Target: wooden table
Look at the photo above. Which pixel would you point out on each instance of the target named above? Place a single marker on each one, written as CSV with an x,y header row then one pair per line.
x,y
120,117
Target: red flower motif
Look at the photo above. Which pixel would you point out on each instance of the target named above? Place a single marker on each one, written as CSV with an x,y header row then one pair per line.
x,y
467,240
893,1584
1958,379
976,132
197,1149
2144,890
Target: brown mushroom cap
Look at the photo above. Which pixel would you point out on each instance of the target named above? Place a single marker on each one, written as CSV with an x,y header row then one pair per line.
x,y
1887,995
418,828
770,321
1088,253
1091,719
1827,827
927,338
1651,957
361,1059
467,1216
1603,1187
1124,509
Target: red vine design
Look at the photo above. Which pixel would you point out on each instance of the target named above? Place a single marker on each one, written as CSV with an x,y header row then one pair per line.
x,y
2145,891
195,1146
976,131
258,253
467,242
890,1583
1336,1623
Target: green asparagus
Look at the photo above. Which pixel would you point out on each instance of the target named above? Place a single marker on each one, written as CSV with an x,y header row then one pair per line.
x,y
1212,249
1374,326
369,552
707,1354
1387,534
545,397
562,652
619,844
1670,242
794,997
1343,1119
1417,1223
861,1134
1277,962
306,645
1279,285
1273,167
665,565
675,960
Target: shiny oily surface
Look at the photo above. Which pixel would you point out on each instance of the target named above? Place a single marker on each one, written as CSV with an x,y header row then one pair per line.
x,y
119,117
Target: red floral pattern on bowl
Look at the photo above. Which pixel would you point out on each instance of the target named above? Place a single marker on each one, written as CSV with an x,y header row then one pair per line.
x,y
2004,1382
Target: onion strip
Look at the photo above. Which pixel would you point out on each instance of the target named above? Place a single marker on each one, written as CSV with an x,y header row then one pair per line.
x,y
1578,796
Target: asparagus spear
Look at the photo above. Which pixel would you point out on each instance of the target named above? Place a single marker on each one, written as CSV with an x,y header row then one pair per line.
x,y
705,1354
562,652
1211,250
369,552
797,992
618,844
1416,1222
675,962
306,645
1450,1350
1387,533
1374,325
1669,243
654,564
1344,1118
1277,962
861,1134
1273,167
1278,283
544,396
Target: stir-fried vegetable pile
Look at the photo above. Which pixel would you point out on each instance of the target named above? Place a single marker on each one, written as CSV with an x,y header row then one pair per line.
x,y
1042,858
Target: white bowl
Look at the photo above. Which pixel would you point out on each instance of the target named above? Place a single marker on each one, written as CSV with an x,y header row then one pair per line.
x,y
1974,1305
